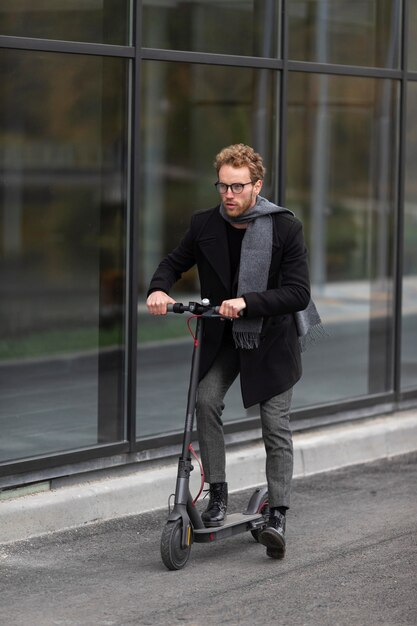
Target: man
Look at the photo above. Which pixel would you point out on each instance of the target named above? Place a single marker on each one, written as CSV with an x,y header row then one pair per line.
x,y
252,261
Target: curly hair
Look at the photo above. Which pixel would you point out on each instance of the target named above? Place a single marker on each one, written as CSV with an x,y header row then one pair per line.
x,y
240,155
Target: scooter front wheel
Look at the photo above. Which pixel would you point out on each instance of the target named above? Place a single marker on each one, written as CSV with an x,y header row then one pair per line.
x,y
174,556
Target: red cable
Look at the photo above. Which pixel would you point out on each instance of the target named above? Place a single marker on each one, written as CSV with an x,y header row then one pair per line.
x,y
190,329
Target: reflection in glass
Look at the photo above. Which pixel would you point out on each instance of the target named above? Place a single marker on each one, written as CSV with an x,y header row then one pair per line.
x,y
409,296
62,212
350,32
243,27
190,112
96,21
341,181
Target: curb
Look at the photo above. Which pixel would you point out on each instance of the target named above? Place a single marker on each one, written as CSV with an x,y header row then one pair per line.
x,y
147,487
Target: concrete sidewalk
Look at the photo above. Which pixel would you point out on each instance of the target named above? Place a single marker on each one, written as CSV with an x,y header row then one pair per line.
x,y
146,486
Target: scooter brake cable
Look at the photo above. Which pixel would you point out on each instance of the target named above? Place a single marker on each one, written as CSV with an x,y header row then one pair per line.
x,y
191,330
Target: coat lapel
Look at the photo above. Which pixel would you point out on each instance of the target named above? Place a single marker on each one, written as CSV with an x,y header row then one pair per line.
x,y
213,244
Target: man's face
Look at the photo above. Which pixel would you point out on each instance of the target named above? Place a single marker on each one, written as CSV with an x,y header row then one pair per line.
x,y
237,203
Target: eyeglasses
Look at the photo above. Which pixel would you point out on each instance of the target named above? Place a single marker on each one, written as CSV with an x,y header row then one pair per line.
x,y
235,187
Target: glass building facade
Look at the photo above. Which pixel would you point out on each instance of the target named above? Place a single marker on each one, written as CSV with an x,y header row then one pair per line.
x,y
111,112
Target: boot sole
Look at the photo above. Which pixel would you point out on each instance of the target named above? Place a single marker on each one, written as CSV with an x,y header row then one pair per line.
x,y
273,542
214,524
274,554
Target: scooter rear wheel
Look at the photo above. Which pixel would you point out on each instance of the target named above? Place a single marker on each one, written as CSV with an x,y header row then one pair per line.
x,y
174,556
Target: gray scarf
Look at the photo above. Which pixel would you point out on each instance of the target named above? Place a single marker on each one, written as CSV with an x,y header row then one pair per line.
x,y
255,260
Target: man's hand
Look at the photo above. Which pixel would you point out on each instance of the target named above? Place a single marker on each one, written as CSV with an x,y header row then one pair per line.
x,y
232,308
157,302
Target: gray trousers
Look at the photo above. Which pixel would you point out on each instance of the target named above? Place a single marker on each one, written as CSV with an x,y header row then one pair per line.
x,y
276,431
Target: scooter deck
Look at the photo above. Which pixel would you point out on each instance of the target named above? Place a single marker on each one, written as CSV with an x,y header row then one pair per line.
x,y
235,523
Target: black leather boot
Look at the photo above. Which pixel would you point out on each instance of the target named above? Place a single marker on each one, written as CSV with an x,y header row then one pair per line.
x,y
215,513
273,537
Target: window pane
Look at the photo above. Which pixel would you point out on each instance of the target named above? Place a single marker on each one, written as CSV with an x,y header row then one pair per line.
x,y
341,160
351,32
62,213
244,27
96,21
409,312
189,113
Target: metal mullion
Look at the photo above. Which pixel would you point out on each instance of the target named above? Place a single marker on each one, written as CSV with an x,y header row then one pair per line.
x,y
58,459
343,70
132,237
399,221
156,54
283,102
407,396
399,240
67,47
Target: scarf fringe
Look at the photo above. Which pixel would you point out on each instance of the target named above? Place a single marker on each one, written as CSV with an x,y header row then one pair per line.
x,y
250,341
314,333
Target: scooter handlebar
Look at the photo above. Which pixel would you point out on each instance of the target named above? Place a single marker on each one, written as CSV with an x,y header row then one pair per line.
x,y
196,308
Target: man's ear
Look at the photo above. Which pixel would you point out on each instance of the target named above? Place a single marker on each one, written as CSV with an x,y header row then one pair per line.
x,y
258,186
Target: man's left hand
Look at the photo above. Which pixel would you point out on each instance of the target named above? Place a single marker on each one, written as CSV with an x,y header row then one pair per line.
x,y
232,308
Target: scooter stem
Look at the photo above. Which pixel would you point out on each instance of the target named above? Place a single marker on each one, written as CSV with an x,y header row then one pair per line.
x,y
182,489
192,389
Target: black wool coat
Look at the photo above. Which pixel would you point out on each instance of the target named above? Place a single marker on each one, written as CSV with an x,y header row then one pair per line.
x,y
275,365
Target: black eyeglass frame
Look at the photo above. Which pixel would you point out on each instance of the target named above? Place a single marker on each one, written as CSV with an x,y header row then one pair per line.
x,y
240,186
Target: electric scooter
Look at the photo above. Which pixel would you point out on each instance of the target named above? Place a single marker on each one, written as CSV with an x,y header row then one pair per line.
x,y
184,525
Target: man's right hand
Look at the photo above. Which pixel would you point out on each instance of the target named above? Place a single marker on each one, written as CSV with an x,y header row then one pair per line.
x,y
157,302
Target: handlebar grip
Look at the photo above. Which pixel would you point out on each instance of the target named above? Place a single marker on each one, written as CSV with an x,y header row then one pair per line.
x,y
177,307
241,313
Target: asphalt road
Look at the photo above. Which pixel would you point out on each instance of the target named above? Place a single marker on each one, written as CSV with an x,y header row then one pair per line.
x,y
351,559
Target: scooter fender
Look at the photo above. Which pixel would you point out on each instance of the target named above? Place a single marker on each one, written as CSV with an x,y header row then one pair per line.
x,y
257,498
180,512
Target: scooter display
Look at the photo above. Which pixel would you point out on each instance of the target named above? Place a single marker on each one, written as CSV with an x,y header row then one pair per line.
x,y
184,525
